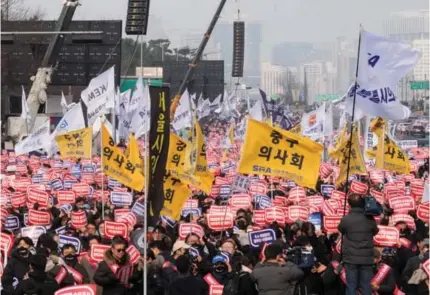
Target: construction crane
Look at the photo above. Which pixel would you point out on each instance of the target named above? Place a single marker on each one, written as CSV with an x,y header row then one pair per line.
x,y
37,95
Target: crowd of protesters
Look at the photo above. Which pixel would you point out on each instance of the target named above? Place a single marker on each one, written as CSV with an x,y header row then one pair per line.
x,y
303,260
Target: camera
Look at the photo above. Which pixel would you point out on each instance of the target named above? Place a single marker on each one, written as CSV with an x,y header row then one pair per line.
x,y
301,257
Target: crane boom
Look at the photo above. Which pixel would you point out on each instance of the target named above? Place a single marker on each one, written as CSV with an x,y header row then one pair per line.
x,y
37,95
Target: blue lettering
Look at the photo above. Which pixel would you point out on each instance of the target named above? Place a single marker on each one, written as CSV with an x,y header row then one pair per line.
x,y
373,60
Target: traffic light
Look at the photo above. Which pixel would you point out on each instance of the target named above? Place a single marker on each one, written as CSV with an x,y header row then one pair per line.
x,y
238,48
137,17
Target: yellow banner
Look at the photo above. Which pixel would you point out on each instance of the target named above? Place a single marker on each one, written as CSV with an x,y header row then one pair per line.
x,y
117,166
75,143
388,154
276,152
133,153
175,195
176,159
334,151
356,165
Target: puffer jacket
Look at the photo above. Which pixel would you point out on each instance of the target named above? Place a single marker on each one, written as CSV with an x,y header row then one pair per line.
x,y
14,272
275,279
357,230
106,278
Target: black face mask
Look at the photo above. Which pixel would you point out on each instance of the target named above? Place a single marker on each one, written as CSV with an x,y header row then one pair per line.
x,y
70,259
23,251
220,269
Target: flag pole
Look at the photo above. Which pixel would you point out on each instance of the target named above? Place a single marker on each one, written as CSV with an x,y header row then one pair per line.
x,y
146,188
102,172
352,120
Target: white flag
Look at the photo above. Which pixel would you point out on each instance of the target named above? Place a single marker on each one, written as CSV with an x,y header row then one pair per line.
x,y
96,95
382,63
72,120
256,111
39,139
182,117
140,121
328,121
313,123
25,111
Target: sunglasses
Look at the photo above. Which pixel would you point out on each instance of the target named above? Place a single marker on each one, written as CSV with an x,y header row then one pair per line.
x,y
120,250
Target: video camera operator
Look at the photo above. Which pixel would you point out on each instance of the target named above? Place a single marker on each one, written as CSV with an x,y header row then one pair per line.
x,y
275,276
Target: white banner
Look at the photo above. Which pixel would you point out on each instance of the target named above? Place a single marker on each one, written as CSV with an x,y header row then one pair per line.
x,y
95,96
37,140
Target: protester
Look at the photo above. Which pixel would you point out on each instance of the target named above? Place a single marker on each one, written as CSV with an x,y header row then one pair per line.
x,y
357,231
186,283
108,273
274,275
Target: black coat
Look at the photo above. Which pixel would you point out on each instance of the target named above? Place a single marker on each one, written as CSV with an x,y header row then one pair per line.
x,y
188,285
357,230
16,267
39,283
388,284
333,284
105,278
412,265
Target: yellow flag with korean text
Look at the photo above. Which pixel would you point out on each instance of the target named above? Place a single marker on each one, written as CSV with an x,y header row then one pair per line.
x,y
133,153
388,154
117,166
334,151
176,159
356,163
176,194
75,143
277,152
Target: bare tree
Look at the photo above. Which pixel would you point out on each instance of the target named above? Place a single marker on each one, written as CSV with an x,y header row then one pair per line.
x,y
17,10
288,83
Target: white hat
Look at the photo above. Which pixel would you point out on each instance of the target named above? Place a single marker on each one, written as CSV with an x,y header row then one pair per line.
x,y
179,245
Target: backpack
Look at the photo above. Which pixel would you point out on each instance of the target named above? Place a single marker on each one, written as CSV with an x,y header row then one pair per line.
x,y
372,207
232,285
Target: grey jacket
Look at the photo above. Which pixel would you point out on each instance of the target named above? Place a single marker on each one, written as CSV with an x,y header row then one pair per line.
x,y
357,231
275,279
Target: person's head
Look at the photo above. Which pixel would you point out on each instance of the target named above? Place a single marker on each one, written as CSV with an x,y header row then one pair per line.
x,y
23,246
93,240
80,201
219,264
118,246
376,256
356,201
229,246
69,254
158,233
192,239
273,252
156,247
183,264
403,228
180,248
38,262
91,228
423,244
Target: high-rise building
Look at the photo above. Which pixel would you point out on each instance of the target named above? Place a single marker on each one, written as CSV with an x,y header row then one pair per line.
x,y
407,25
223,39
421,70
273,79
320,79
292,53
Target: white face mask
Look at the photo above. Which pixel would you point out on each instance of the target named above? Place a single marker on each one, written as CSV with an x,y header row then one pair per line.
x,y
308,248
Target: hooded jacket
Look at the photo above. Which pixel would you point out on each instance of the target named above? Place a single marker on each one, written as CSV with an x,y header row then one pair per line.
x,y
105,277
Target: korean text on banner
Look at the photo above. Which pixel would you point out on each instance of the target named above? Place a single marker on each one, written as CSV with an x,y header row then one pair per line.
x,y
176,159
275,152
175,196
392,158
158,147
76,143
356,163
117,166
133,153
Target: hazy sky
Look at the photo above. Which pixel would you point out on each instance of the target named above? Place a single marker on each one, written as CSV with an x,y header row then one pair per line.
x,y
282,20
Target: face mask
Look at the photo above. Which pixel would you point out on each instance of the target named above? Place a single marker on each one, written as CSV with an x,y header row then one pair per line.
x,y
23,251
70,258
220,269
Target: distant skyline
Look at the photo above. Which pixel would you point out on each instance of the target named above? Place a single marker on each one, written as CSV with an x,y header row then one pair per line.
x,y
282,20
